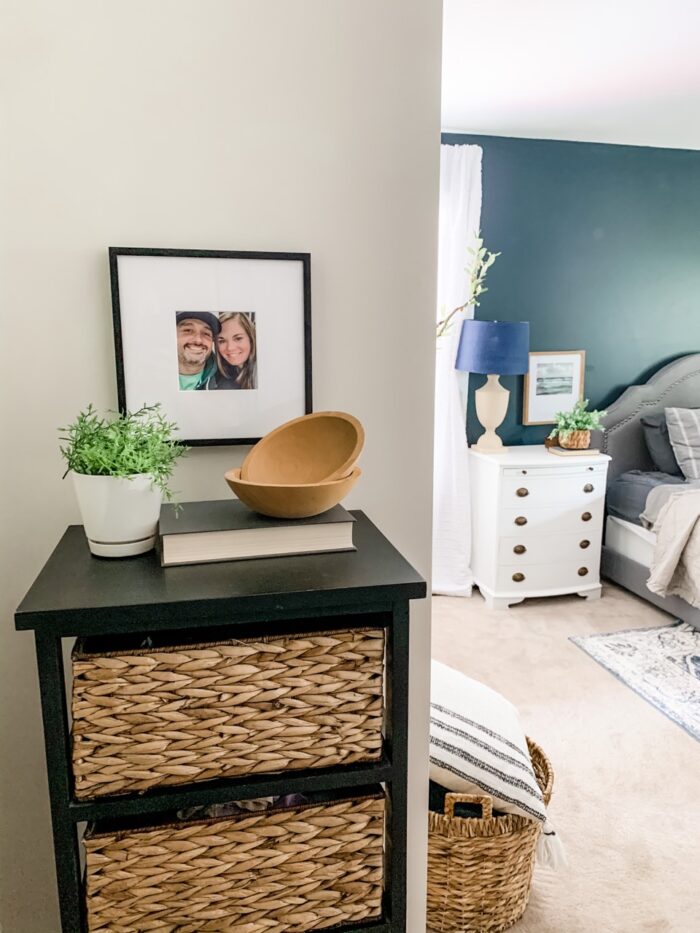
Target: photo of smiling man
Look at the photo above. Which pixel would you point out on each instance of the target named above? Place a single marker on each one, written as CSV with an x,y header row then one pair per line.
x,y
196,362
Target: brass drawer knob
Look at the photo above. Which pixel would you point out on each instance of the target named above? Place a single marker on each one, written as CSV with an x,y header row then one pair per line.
x,y
519,549
522,492
589,487
519,577
585,543
521,520
586,517
582,571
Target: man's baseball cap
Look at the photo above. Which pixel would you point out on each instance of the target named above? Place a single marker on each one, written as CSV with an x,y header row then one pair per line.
x,y
206,316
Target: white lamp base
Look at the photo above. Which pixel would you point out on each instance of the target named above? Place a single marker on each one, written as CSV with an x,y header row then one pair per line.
x,y
491,407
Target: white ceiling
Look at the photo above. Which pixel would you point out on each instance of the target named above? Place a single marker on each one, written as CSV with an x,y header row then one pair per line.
x,y
614,71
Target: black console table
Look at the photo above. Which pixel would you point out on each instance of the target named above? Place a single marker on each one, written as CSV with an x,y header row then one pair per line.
x,y
80,595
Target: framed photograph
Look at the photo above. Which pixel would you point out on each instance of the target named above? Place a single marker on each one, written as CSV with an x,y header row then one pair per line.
x,y
554,382
221,339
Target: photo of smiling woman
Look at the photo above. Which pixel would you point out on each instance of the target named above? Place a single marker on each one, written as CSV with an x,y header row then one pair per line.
x,y
235,353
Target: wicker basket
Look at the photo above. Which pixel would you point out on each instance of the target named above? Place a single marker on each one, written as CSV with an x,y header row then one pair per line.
x,y
152,717
480,870
278,871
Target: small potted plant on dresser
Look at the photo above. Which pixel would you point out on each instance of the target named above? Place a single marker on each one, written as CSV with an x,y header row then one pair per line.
x,y
121,466
573,428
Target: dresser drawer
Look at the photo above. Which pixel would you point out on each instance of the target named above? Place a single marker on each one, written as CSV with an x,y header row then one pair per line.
x,y
526,551
526,520
515,578
543,491
558,468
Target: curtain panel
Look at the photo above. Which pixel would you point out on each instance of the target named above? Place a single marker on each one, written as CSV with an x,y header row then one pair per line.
x,y
460,218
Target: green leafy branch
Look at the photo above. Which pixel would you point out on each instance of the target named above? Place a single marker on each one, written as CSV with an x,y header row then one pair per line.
x,y
482,261
578,419
123,445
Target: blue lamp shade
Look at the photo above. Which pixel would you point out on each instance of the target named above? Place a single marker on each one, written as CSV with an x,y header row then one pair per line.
x,y
499,347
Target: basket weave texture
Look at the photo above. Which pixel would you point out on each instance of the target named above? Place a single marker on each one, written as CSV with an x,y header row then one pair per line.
x,y
480,870
279,871
177,715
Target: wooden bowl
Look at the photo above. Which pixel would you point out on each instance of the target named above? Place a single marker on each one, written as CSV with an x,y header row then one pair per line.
x,y
311,449
291,500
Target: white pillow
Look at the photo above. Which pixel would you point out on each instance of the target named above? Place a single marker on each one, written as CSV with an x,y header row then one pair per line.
x,y
477,744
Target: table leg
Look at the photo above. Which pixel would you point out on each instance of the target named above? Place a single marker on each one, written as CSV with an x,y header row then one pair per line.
x,y
49,658
397,741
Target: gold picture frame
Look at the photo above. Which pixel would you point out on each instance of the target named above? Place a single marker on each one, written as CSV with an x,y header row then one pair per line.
x,y
554,382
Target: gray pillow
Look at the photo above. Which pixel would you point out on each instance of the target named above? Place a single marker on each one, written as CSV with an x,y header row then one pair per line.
x,y
684,433
659,444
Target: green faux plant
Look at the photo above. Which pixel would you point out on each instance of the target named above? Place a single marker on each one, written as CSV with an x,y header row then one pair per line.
x,y
578,419
124,445
482,260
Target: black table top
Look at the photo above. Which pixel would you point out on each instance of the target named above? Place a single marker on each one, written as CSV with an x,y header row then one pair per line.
x,y
78,594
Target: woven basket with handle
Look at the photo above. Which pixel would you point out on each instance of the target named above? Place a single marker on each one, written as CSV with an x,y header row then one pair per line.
x,y
480,870
278,871
172,715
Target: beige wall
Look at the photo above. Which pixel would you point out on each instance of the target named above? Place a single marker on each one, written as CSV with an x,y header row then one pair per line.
x,y
269,125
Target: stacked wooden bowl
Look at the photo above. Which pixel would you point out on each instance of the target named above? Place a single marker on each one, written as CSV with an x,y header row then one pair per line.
x,y
303,467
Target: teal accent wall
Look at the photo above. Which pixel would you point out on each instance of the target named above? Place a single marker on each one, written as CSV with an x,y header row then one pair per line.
x,y
600,251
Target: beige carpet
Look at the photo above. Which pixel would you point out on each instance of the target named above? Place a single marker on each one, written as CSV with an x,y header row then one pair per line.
x,y
627,780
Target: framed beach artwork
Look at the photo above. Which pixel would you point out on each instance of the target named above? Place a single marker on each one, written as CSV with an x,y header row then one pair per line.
x,y
554,382
221,339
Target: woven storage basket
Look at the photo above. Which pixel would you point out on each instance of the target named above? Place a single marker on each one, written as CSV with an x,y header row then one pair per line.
x,y
278,871
480,870
152,717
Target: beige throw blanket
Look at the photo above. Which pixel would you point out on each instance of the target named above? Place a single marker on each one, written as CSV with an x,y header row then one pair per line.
x,y
675,569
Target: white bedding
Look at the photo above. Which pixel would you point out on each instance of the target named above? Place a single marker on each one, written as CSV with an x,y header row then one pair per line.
x,y
675,569
672,552
630,540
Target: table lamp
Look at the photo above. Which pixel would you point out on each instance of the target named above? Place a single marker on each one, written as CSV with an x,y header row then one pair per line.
x,y
493,348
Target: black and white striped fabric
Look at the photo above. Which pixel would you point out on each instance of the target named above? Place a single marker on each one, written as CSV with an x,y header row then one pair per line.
x,y
477,744
684,433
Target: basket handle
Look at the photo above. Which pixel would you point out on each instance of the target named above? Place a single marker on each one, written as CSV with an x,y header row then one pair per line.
x,y
485,803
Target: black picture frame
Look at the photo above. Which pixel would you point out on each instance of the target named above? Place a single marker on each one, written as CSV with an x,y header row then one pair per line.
x,y
128,310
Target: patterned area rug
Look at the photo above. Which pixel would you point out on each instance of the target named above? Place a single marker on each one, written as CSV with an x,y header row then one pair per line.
x,y
660,664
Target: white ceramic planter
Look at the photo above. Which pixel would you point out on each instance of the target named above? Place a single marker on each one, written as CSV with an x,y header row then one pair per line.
x,y
120,515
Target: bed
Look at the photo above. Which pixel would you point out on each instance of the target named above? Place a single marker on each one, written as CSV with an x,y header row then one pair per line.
x,y
628,546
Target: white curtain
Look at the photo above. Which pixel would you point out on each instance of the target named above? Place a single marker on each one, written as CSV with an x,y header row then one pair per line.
x,y
460,217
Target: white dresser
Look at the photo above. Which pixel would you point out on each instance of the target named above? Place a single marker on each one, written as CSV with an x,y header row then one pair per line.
x,y
537,523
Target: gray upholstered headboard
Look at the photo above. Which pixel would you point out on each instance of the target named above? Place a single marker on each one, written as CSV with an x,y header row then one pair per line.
x,y
677,384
